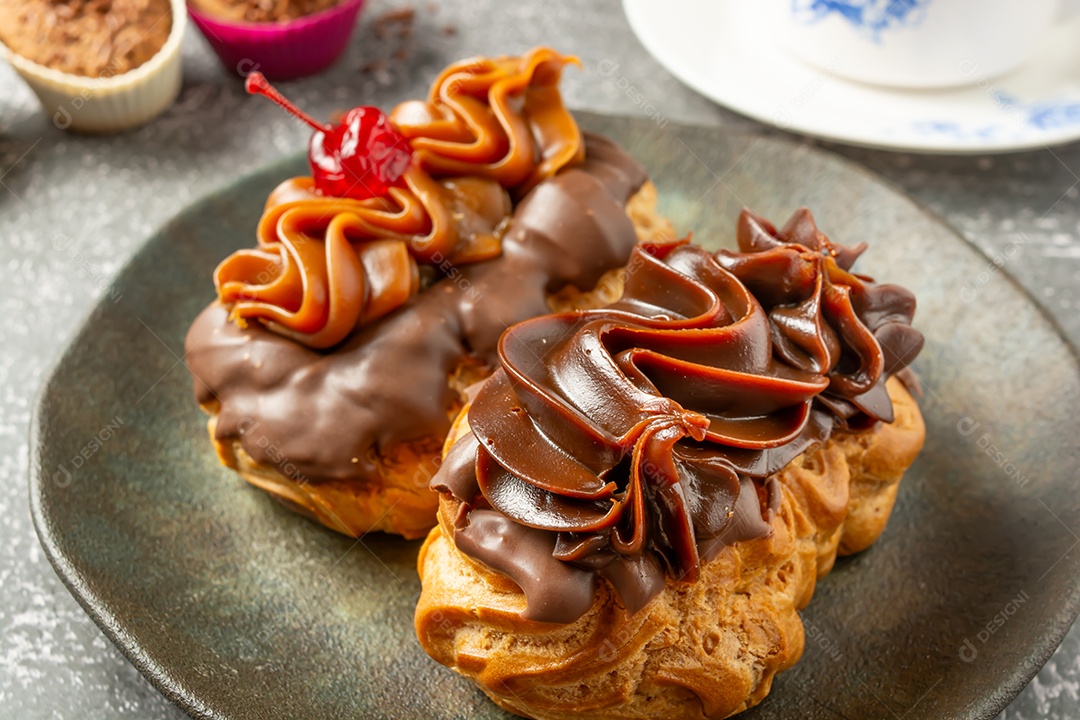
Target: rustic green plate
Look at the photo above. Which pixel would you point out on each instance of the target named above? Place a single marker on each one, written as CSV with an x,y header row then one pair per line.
x,y
235,608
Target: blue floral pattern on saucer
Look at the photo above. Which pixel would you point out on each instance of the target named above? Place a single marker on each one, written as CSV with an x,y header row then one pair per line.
x,y
870,17
1019,119
1035,106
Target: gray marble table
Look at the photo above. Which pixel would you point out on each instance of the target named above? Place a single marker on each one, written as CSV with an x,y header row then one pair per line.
x,y
73,209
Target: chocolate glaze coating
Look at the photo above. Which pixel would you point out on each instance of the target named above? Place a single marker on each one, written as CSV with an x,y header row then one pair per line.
x,y
317,415
640,439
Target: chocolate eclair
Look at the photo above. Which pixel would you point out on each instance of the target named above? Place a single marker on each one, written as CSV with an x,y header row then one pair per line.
x,y
636,504
336,355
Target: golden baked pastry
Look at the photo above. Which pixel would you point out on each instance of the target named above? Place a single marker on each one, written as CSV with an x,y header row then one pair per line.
x,y
334,359
705,650
630,520
396,498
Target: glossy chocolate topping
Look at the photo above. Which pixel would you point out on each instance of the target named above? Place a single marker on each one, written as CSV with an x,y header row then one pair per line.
x,y
327,264
320,415
639,439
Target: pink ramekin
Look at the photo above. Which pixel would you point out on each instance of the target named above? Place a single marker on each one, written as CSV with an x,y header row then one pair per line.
x,y
281,50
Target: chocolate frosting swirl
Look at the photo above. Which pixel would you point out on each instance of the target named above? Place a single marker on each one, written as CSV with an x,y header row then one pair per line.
x,y
327,265
640,439
824,319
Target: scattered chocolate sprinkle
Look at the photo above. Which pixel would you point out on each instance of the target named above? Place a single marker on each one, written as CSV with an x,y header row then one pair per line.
x,y
373,66
384,24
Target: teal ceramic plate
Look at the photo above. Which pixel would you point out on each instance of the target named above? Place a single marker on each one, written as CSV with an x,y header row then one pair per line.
x,y
236,609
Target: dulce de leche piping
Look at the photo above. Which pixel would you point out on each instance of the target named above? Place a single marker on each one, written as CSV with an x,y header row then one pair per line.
x,y
490,131
638,440
318,416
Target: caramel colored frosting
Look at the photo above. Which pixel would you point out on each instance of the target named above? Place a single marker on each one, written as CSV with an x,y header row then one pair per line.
x,y
92,38
636,441
325,266
501,118
491,130
318,416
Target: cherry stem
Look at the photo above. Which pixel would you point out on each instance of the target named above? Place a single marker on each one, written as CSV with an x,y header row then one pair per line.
x,y
256,84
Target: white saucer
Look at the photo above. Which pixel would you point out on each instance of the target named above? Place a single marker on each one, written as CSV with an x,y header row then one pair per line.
x,y
724,52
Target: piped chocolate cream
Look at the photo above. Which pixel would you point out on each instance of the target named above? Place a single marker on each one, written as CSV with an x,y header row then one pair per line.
x,y
633,443
326,412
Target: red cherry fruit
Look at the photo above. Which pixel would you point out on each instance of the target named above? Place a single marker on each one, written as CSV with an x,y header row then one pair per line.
x,y
361,157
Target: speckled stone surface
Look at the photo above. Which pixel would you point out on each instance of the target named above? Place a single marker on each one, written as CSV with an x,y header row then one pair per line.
x,y
73,209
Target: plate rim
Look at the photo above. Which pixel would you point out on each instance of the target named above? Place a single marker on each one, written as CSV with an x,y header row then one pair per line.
x,y
632,9
181,696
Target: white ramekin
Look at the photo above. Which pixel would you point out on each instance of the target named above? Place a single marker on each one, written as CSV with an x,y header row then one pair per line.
x,y
109,104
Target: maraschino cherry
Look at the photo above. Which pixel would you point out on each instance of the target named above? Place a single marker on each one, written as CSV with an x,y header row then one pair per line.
x,y
361,157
